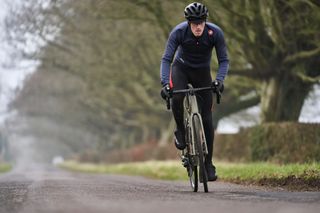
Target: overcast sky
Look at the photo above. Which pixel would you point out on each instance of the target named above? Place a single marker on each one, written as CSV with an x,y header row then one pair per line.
x,y
11,74
11,79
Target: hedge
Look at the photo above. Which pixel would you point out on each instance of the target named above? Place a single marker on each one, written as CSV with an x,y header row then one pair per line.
x,y
275,142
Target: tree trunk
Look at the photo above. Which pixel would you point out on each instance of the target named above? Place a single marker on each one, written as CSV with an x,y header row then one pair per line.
x,y
282,98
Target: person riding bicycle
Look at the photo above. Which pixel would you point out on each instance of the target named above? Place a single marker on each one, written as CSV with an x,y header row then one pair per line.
x,y
189,47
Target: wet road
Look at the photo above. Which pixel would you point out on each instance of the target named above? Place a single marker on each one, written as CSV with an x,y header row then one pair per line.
x,y
46,189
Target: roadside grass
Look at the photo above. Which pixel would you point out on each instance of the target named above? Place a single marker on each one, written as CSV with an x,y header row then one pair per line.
x,y
298,177
258,171
290,176
4,167
166,170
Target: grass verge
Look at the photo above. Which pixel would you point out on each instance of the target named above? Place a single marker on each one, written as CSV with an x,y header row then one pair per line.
x,y
291,176
4,167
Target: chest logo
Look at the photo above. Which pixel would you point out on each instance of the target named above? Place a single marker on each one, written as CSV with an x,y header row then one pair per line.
x,y
210,32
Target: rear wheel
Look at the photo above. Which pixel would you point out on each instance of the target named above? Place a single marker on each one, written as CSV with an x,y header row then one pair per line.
x,y
199,140
193,177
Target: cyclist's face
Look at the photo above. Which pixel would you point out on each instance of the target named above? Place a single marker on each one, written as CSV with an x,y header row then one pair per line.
x,y
197,28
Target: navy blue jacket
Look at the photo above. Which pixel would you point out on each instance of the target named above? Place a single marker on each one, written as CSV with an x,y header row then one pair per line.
x,y
194,52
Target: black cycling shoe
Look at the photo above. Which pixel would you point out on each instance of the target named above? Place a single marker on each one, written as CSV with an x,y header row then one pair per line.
x,y
211,172
179,140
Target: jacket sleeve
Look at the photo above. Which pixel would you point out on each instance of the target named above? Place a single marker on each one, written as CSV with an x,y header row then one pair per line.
x,y
167,58
222,56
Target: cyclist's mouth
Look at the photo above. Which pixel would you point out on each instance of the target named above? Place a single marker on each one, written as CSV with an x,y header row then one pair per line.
x,y
198,33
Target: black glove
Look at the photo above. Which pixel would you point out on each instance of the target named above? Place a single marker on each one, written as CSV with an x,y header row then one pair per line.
x,y
166,92
218,85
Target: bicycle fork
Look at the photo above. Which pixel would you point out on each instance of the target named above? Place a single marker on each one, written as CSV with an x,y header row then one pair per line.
x,y
203,137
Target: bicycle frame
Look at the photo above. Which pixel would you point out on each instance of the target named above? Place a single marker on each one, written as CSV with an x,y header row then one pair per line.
x,y
191,107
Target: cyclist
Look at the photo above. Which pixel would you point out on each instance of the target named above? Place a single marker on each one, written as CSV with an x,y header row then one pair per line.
x,y
189,47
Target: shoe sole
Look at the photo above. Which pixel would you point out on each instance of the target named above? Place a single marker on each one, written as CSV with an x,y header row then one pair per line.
x,y
214,179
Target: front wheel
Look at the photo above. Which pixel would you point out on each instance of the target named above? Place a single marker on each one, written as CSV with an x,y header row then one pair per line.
x,y
191,166
199,140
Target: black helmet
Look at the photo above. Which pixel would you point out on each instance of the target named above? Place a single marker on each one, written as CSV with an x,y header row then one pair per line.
x,y
196,11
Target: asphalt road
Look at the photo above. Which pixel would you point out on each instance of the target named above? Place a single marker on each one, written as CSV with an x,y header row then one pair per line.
x,y
42,188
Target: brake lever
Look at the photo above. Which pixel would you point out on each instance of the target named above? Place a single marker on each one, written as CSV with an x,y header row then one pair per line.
x,y
217,92
218,96
168,103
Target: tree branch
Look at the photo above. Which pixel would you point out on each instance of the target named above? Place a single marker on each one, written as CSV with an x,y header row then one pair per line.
x,y
250,73
308,79
302,55
239,105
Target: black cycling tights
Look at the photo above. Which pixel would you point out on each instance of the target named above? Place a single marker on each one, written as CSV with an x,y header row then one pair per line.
x,y
180,77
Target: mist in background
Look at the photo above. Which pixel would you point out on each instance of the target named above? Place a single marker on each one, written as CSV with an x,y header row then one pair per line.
x,y
83,90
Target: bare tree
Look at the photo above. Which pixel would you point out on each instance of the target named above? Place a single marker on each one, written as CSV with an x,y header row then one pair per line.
x,y
278,42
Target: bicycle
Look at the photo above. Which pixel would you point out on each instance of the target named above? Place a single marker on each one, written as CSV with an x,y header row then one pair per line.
x,y
193,156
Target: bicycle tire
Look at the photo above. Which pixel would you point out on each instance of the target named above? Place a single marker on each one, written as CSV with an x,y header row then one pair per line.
x,y
193,177
198,133
192,168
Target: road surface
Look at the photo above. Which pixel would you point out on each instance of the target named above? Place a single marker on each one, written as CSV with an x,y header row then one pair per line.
x,y
42,188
